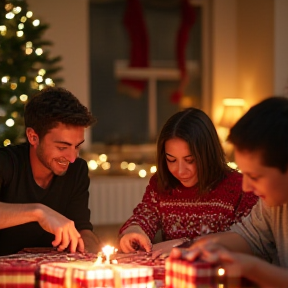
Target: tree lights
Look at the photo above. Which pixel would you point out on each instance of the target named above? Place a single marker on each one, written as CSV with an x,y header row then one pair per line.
x,y
25,66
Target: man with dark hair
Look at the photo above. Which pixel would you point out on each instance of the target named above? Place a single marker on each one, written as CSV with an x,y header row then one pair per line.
x,y
260,139
43,184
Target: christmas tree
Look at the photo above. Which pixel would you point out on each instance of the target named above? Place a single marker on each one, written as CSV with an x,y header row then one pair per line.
x,y
25,66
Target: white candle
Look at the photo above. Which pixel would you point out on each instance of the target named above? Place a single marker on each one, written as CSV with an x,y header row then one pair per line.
x,y
99,260
108,250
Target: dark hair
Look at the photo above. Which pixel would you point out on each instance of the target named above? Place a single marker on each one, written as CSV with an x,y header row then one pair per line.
x,y
264,129
54,105
196,128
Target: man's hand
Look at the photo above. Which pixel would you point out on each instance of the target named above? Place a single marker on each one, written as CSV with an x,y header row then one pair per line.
x,y
51,221
63,228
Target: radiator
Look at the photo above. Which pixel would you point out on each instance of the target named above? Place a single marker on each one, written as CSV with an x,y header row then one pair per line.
x,y
113,198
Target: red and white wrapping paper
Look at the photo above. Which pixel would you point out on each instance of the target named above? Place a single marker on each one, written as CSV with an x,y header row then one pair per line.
x,y
83,275
21,270
17,277
184,274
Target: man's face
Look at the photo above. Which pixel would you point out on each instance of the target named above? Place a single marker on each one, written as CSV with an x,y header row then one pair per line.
x,y
60,147
269,183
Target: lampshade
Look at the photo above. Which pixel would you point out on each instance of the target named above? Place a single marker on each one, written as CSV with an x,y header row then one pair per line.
x,y
233,110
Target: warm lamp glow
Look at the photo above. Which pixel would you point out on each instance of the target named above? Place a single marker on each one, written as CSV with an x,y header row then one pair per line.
x,y
186,102
221,272
233,110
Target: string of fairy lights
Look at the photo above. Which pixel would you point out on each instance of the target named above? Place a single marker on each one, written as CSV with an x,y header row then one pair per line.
x,y
99,164
17,20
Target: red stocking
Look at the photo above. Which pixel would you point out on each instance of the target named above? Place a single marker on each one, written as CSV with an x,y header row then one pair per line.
x,y
135,25
188,19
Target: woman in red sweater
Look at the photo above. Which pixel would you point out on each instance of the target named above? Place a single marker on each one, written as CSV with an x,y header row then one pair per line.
x,y
194,191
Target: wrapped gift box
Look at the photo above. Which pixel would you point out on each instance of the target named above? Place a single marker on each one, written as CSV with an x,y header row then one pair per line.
x,y
84,275
53,269
21,270
180,273
17,276
184,274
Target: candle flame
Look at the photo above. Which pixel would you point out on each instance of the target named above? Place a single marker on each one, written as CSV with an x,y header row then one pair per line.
x,y
221,271
108,250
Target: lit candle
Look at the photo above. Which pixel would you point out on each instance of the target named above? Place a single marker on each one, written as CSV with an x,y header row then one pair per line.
x,y
99,259
221,271
108,250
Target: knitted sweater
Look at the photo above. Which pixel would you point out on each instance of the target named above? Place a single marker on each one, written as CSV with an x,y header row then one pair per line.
x,y
184,213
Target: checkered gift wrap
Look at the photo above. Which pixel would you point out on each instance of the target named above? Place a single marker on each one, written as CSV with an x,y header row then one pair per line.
x,y
51,276
92,277
21,270
17,277
184,274
146,259
76,275
133,276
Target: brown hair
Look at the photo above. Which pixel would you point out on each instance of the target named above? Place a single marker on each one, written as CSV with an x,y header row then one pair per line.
x,y
264,129
196,128
54,105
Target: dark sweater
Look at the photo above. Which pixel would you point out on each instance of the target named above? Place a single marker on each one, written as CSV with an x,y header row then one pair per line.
x,y
67,194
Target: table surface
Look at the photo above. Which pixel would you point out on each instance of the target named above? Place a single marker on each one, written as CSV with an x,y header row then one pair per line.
x,y
33,257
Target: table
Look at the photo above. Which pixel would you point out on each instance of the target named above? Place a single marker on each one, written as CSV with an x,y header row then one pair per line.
x,y
25,265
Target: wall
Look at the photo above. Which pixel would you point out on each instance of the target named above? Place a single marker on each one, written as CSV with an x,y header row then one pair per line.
x,y
224,54
280,48
255,30
68,20
250,44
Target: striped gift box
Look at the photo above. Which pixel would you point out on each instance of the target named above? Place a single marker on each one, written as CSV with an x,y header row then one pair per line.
x,y
86,278
133,276
17,277
184,274
144,259
21,270
85,275
75,275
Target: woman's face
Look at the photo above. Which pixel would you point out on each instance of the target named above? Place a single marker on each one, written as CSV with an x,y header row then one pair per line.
x,y
181,163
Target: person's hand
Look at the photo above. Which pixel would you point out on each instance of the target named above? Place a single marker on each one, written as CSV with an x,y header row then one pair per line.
x,y
240,262
66,235
200,247
235,264
134,238
214,253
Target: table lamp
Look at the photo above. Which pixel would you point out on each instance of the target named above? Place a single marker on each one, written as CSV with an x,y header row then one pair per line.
x,y
233,110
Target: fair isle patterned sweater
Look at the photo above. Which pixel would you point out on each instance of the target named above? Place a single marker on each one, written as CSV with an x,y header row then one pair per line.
x,y
184,213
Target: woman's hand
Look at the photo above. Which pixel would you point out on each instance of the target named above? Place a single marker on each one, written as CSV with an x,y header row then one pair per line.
x,y
133,239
